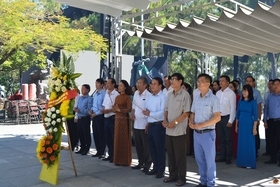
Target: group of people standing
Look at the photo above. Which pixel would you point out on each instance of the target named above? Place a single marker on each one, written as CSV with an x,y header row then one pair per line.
x,y
161,119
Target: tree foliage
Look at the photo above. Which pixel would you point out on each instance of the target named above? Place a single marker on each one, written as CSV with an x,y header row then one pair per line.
x,y
31,30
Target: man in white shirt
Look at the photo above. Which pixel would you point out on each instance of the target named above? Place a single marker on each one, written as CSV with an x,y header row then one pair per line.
x,y
228,111
109,117
168,88
140,122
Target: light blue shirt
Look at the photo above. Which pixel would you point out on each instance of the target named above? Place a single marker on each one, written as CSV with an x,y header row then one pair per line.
x,y
272,107
205,107
257,96
156,103
97,102
84,105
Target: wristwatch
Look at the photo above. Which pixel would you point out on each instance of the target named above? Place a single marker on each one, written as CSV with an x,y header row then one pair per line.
x,y
176,122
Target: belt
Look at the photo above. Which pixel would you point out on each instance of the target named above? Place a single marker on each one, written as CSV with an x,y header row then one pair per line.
x,y
157,122
225,116
203,131
81,117
110,117
274,119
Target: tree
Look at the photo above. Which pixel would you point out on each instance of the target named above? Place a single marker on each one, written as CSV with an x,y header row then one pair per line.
x,y
29,31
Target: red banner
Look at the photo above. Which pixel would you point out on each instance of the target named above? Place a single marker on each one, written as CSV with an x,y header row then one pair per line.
x,y
69,94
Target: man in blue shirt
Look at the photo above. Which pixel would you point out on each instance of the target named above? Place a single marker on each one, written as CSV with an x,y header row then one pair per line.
x,y
205,114
98,119
257,96
82,110
272,121
156,132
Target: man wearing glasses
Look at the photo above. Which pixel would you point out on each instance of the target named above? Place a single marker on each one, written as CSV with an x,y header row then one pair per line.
x,y
176,114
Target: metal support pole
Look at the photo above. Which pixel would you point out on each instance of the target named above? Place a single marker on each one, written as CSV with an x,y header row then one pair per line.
x,y
235,62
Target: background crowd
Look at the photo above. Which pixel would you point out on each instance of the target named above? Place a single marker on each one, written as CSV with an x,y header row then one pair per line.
x,y
168,117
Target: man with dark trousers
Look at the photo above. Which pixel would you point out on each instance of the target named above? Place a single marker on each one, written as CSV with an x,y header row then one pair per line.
x,y
82,110
109,117
98,119
272,122
140,122
228,111
177,109
154,109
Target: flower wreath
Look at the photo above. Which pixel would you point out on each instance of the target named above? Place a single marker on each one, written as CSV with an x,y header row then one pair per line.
x,y
60,107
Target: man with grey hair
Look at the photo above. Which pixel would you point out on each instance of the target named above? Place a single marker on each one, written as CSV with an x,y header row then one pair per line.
x,y
140,122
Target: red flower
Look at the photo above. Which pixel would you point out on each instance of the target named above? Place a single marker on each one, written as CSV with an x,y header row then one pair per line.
x,y
49,150
55,147
52,158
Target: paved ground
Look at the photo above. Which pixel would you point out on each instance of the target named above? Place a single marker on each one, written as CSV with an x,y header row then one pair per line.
x,y
19,166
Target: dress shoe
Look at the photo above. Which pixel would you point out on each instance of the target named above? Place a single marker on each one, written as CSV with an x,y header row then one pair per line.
x,y
168,179
265,154
201,185
101,156
270,162
152,172
106,159
96,155
228,162
137,167
180,183
79,152
84,153
220,160
159,175
145,170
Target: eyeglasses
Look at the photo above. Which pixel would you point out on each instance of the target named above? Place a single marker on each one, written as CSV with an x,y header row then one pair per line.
x,y
173,79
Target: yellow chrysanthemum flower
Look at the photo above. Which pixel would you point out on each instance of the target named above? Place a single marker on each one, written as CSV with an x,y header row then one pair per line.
x,y
38,150
64,108
54,72
53,95
65,77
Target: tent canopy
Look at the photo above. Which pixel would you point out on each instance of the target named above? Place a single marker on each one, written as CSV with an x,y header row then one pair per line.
x,y
244,33
109,7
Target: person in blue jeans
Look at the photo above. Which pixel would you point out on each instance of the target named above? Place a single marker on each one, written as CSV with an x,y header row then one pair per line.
x,y
205,113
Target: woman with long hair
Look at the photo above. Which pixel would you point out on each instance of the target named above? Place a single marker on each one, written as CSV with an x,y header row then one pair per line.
x,y
246,124
216,86
122,131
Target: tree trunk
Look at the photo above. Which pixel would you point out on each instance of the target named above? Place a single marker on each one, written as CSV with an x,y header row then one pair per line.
x,y
220,60
271,57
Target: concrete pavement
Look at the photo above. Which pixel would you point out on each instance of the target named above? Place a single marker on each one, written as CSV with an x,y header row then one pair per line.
x,y
19,166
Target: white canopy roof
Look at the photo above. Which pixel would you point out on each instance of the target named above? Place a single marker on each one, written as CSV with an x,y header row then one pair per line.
x,y
244,33
109,7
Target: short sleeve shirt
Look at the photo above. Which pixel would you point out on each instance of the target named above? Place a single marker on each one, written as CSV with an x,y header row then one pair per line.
x,y
205,107
176,105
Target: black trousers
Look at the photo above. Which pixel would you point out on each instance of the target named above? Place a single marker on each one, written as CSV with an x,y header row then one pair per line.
x,y
73,132
273,132
142,148
225,138
109,124
258,141
84,132
98,130
177,160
